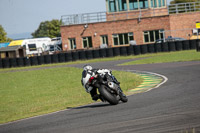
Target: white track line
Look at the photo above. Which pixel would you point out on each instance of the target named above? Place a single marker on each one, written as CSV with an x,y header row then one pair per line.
x,y
165,79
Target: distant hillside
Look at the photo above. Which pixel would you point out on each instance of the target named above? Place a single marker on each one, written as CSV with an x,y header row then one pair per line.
x,y
20,35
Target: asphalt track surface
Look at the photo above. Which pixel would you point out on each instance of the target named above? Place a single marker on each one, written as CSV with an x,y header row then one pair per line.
x,y
174,107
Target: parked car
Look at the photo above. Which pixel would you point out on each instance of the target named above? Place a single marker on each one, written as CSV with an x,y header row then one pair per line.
x,y
170,39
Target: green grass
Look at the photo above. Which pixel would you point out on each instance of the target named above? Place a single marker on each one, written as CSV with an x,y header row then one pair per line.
x,y
190,55
30,93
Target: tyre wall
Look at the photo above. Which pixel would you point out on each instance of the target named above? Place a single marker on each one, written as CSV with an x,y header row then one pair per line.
x,y
61,57
68,56
82,55
179,45
109,52
130,50
186,45
1,66
20,62
144,49
100,53
89,54
151,48
13,62
164,47
116,51
136,49
171,46
123,51
96,53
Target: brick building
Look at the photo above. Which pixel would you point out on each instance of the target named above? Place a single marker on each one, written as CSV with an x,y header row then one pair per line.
x,y
143,21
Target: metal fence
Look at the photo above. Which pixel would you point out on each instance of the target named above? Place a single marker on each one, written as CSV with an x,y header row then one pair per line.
x,y
184,7
83,18
103,16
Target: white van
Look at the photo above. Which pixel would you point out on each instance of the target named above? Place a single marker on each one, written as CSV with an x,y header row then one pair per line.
x,y
37,45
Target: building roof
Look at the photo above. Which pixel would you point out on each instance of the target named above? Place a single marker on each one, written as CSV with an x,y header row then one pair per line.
x,y
4,44
10,48
16,43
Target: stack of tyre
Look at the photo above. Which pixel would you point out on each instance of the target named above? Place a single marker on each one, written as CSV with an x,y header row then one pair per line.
x,y
100,53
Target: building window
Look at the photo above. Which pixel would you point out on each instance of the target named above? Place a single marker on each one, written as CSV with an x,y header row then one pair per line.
x,y
112,5
143,4
32,47
122,39
72,42
152,36
122,5
163,2
87,42
104,39
133,4
157,3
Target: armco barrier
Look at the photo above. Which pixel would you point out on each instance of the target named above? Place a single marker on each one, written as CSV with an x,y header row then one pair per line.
x,y
193,44
13,62
5,63
20,62
47,59
34,60
54,58
68,56
179,45
157,47
136,49
186,45
130,50
61,57
151,48
123,51
89,54
116,51
95,53
102,52
171,46
27,61
144,49
82,55
109,52
75,56
40,60
164,47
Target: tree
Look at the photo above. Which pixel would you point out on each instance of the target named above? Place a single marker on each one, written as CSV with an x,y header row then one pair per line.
x,y
48,29
182,1
3,37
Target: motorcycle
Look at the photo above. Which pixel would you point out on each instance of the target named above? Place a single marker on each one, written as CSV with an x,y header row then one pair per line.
x,y
108,87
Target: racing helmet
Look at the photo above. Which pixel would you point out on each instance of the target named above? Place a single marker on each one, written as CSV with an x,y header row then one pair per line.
x,y
87,67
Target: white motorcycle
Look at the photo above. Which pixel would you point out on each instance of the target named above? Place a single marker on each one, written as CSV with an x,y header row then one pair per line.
x,y
108,87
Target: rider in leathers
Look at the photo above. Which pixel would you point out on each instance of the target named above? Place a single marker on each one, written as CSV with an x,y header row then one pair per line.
x,y
87,69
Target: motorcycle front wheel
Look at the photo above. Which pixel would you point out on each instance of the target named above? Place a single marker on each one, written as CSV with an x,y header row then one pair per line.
x,y
123,97
111,98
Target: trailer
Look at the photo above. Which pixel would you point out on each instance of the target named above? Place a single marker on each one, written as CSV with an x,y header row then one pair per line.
x,y
36,46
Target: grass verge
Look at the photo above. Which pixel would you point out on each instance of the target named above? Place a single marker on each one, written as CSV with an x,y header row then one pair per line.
x,y
190,55
30,93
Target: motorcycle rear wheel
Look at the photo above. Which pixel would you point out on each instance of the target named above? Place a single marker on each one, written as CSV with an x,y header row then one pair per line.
x,y
112,99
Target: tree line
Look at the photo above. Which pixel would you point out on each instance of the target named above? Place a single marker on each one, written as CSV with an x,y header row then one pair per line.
x,y
46,29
